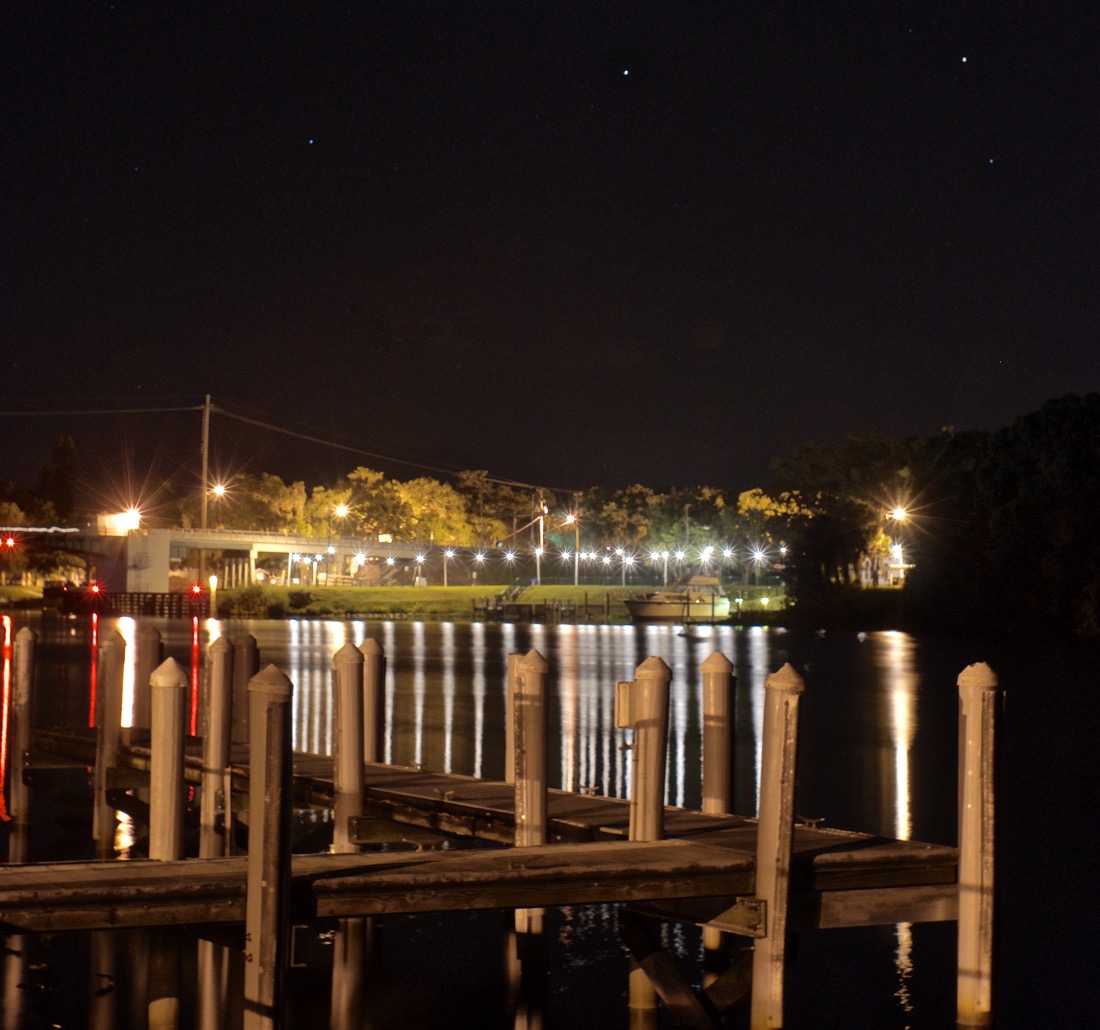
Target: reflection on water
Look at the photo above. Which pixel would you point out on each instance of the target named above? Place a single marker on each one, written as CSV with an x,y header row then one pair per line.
x,y
896,672
445,710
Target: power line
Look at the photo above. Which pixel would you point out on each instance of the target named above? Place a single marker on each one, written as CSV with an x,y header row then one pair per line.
x,y
424,466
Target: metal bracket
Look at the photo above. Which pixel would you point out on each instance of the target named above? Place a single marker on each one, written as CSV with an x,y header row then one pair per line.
x,y
746,916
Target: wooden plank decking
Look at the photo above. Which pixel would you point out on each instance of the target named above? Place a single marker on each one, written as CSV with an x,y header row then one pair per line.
x,y
703,872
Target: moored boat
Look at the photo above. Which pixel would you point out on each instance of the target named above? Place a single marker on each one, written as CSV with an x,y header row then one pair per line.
x,y
700,599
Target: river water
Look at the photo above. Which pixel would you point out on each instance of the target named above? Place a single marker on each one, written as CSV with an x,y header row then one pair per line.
x,y
878,753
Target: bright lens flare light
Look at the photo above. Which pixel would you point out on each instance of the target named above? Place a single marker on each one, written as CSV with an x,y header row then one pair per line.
x,y
899,514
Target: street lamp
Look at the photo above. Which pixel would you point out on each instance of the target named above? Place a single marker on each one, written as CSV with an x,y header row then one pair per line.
x,y
571,520
448,554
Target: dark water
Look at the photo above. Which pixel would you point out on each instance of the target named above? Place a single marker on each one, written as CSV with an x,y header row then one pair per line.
x,y
878,753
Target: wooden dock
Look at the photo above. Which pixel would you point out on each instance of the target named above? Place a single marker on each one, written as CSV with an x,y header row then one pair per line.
x,y
704,871
408,840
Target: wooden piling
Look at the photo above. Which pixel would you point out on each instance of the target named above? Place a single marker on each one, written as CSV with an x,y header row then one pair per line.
x,y
169,729
774,838
217,727
529,717
112,661
718,691
148,655
347,745
718,729
267,925
374,700
646,710
978,706
510,688
20,737
642,703
246,663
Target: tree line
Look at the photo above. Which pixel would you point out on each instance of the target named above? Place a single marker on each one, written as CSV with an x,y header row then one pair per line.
x,y
987,529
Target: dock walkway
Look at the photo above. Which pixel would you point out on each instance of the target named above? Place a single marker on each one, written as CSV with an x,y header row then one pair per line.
x,y
703,872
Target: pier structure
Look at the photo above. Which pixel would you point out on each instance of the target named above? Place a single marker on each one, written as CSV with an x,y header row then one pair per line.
x,y
753,877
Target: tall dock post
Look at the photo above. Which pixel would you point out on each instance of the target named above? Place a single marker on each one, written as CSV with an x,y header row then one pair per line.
x,y
347,759
216,796
168,709
169,720
718,694
246,663
642,703
19,797
510,687
374,700
148,655
528,678
267,909
978,706
775,835
350,724
529,716
217,728
112,660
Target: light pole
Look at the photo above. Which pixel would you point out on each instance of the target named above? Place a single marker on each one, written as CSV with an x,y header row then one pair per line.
x,y
571,520
448,554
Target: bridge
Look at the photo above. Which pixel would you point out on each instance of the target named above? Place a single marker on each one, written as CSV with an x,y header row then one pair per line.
x,y
141,560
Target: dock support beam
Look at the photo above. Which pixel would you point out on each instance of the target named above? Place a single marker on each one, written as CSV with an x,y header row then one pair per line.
x,y
978,705
267,909
775,835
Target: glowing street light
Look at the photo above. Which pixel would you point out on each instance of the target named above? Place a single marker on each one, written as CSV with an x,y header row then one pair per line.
x,y
448,554
571,520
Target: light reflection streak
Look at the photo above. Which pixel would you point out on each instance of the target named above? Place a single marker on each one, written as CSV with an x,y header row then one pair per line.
x,y
127,629
477,660
893,656
758,671
574,759
418,692
448,631
5,700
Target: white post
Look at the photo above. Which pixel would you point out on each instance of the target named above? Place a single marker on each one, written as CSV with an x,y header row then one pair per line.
x,y
649,708
19,801
148,654
267,909
168,708
718,688
347,738
775,834
529,716
510,688
718,692
246,663
978,704
643,704
216,733
112,658
374,700
169,717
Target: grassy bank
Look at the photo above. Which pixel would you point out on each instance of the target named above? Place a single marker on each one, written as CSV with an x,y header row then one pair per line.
x,y
455,603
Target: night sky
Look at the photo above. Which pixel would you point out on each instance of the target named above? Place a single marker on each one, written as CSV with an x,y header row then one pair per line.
x,y
569,243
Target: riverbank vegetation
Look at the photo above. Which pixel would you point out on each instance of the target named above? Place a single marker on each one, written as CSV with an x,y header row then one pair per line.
x,y
961,530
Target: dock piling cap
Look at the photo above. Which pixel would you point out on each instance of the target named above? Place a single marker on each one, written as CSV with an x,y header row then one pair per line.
x,y
786,679
271,680
978,676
